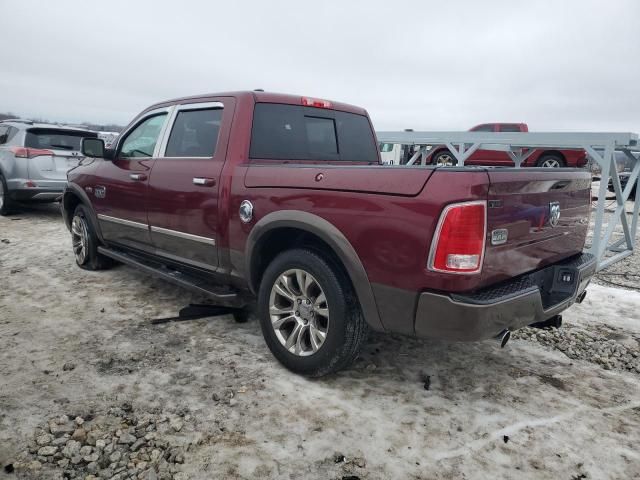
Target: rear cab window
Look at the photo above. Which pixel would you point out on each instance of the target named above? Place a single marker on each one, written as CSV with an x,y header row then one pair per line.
x,y
295,132
56,139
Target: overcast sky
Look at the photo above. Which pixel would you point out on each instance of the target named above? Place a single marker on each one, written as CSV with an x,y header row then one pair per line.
x,y
427,65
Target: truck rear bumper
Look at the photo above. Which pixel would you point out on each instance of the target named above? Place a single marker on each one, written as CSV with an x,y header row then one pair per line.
x,y
519,302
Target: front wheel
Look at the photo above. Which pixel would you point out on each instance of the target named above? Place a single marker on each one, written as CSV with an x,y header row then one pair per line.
x,y
85,242
309,315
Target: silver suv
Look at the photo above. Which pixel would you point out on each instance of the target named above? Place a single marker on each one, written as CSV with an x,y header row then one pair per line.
x,y
34,160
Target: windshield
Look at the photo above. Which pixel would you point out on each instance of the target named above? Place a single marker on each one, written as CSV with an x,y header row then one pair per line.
x,y
56,139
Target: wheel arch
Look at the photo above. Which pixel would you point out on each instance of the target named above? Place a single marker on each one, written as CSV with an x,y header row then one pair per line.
x,y
279,231
555,153
71,198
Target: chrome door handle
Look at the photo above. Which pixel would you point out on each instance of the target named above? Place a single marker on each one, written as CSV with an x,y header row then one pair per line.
x,y
137,176
204,182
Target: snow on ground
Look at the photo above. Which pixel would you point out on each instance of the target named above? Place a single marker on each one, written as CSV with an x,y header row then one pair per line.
x,y
407,409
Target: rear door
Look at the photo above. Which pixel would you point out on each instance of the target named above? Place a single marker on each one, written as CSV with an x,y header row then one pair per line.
x,y
119,197
184,185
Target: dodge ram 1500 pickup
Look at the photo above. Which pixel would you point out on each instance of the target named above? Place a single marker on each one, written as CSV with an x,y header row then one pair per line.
x,y
283,200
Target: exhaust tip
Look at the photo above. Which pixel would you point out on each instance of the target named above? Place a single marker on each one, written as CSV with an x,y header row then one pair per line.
x,y
580,297
503,337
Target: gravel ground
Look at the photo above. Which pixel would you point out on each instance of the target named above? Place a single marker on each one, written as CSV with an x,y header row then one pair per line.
x,y
90,388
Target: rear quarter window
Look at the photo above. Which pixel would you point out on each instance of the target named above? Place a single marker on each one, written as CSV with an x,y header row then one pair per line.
x,y
292,132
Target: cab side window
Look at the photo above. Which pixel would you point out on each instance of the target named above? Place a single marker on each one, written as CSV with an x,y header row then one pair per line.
x,y
509,127
141,142
195,133
483,128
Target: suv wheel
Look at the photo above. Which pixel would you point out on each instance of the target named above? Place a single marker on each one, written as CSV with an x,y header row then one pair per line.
x,y
85,242
5,201
309,316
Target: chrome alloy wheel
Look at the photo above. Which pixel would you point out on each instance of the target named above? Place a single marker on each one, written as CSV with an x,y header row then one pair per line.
x,y
551,163
299,312
79,239
445,160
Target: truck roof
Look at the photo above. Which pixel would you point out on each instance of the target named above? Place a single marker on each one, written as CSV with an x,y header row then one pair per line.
x,y
260,97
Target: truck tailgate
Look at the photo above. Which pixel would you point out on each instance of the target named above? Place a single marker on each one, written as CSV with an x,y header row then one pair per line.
x,y
535,219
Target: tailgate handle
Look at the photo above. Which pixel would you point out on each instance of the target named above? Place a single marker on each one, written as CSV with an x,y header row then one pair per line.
x,y
138,177
204,182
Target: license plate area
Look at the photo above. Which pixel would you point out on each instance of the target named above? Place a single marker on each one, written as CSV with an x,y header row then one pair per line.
x,y
558,284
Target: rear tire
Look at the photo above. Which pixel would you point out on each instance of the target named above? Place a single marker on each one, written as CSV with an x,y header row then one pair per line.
x,y
6,205
84,242
551,160
324,312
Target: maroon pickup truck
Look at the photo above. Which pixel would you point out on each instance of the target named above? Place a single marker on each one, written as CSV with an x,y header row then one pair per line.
x,y
283,198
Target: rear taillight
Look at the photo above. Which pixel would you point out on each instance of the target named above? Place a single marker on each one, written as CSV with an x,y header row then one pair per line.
x,y
458,244
23,152
315,102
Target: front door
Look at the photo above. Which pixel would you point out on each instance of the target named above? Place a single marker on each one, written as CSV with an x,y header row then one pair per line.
x,y
184,184
120,195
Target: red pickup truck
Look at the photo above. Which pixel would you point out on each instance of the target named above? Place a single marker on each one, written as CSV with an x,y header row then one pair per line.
x,y
283,198
551,158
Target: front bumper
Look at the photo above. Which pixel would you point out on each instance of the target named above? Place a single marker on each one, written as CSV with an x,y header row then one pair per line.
x,y
527,299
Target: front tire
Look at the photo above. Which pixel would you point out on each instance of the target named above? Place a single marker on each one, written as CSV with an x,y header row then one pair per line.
x,y
84,242
310,318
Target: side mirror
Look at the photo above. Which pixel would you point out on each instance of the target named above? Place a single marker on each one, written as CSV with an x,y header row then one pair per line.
x,y
93,147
